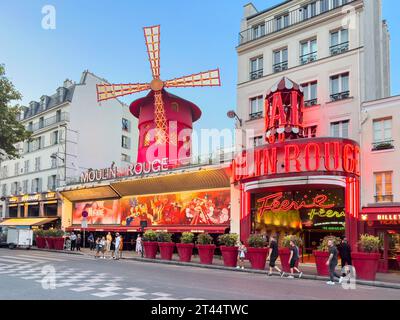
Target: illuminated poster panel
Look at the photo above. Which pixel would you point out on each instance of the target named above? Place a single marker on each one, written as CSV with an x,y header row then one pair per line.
x,y
105,212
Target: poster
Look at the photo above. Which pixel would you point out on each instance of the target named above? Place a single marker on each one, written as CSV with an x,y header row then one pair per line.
x,y
103,212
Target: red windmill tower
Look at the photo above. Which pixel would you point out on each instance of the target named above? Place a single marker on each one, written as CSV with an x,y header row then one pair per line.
x,y
165,120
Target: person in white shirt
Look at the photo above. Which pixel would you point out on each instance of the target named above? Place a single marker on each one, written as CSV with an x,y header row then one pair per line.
x,y
117,244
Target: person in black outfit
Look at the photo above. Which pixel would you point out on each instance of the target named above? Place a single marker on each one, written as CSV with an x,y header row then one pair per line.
x,y
345,253
332,263
273,255
78,243
294,257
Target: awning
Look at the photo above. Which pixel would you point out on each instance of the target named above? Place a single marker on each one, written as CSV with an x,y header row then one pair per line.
x,y
90,193
381,210
172,229
27,222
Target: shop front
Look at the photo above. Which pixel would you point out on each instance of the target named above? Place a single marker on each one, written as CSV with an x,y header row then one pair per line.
x,y
384,222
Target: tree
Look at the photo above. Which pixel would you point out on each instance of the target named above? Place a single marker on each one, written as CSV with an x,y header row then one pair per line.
x,y
11,130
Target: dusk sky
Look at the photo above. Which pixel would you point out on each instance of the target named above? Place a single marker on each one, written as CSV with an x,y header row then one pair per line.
x,y
106,37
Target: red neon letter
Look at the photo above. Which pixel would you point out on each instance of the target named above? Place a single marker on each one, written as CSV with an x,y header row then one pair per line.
x,y
289,157
348,158
316,156
269,159
336,146
277,114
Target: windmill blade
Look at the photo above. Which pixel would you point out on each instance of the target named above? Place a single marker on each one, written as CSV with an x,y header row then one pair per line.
x,y
152,37
204,79
160,118
110,91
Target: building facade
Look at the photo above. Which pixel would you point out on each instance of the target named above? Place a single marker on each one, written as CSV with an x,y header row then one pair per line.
x,y
71,133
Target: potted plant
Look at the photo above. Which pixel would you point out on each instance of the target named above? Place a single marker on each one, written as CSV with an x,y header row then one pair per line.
x,y
398,259
366,261
321,255
48,237
39,238
166,245
58,239
257,252
150,244
229,248
206,248
185,248
284,252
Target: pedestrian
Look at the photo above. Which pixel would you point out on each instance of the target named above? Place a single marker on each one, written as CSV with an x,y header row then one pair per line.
x,y
103,244
332,263
345,254
117,244
121,246
73,241
293,259
139,247
68,242
78,242
98,248
273,256
109,240
242,255
91,242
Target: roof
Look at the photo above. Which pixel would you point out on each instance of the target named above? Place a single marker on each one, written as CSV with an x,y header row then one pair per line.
x,y
269,9
284,84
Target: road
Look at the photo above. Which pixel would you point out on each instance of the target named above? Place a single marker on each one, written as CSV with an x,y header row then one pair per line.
x,y
28,274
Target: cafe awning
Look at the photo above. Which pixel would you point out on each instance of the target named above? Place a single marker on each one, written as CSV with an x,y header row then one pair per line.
x,y
26,222
90,193
174,229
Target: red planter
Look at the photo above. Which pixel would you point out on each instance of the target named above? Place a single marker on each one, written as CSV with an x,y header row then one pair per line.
x,y
49,242
398,259
185,251
366,264
206,253
230,255
321,257
284,254
150,249
40,242
166,250
257,257
58,243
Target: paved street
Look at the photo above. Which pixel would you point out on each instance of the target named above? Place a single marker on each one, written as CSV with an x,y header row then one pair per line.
x,y
28,274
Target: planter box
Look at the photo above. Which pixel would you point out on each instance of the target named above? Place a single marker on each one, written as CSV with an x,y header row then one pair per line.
x,y
321,257
58,243
257,257
284,254
230,255
206,253
150,249
166,250
398,260
40,242
49,243
366,264
185,251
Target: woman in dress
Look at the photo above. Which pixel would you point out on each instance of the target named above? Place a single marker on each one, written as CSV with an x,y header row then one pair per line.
x,y
139,247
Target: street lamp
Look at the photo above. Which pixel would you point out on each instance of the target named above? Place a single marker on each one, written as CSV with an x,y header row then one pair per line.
x,y
232,115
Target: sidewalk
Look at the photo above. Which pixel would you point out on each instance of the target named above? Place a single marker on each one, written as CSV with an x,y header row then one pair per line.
x,y
386,280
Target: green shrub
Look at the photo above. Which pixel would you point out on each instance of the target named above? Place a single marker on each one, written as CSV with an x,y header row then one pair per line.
x,y
39,233
150,236
187,237
323,246
229,239
286,241
164,237
257,241
369,244
204,238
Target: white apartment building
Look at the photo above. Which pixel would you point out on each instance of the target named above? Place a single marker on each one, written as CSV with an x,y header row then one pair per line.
x,y
338,50
72,133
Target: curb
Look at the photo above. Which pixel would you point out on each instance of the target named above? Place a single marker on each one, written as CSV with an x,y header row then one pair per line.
x,y
379,284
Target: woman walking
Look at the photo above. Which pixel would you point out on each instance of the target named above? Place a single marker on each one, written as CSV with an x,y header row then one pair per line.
x,y
139,248
242,255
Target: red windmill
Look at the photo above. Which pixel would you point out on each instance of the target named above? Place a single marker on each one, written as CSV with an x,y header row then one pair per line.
x,y
162,116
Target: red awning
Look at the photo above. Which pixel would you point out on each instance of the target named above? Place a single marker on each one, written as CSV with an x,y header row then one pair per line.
x,y
103,229
381,210
173,229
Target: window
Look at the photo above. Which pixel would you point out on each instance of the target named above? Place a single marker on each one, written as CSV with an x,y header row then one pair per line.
x,y
310,93
256,68
125,125
37,164
52,182
339,41
54,138
16,169
257,141
125,157
125,142
4,172
54,160
310,132
383,134
383,186
256,107
340,87
308,51
282,22
280,60
25,186
26,166
41,122
258,31
324,6
36,185
4,190
14,188
58,116
340,129
309,10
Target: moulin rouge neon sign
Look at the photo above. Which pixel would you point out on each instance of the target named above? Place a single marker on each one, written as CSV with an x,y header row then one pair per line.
x,y
274,203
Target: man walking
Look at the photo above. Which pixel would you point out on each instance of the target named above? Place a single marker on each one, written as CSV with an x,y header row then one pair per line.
x,y
108,241
117,244
345,254
73,241
332,263
294,257
91,242
273,255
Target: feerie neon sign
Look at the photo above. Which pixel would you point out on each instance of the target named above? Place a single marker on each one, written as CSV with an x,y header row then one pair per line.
x,y
274,203
305,155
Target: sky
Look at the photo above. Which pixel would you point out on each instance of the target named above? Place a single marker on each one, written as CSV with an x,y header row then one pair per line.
x,y
106,37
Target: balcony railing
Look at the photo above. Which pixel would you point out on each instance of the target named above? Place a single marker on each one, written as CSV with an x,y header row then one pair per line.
x,y
382,145
280,67
254,75
307,58
310,103
384,198
64,116
255,115
340,96
339,48
294,17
